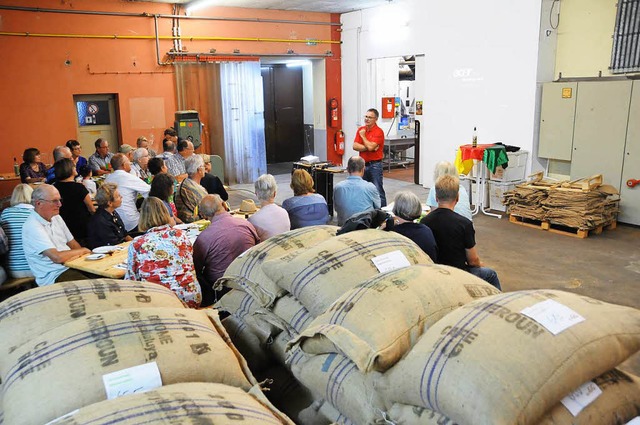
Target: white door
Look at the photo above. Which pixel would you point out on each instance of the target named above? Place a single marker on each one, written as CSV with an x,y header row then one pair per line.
x,y
630,197
96,119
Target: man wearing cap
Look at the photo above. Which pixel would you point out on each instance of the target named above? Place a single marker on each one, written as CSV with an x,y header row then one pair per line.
x,y
100,160
127,150
219,244
369,141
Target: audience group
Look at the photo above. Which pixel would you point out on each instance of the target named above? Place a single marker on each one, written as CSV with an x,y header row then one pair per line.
x,y
144,195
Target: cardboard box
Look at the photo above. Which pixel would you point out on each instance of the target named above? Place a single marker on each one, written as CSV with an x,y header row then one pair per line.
x,y
496,194
516,169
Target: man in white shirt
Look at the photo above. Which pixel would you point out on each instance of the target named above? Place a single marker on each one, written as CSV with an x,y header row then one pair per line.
x,y
129,187
47,242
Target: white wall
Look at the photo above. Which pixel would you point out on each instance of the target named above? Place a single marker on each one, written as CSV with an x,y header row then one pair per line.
x,y
319,109
480,69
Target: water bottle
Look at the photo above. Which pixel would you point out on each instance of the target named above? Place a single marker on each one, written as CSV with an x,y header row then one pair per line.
x,y
16,167
474,141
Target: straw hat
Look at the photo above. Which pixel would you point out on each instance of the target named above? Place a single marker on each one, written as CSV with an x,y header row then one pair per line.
x,y
247,207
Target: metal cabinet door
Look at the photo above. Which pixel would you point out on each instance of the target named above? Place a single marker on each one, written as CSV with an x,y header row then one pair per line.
x,y
602,112
556,120
630,197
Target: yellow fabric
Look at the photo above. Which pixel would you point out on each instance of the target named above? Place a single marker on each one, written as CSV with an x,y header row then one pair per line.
x,y
463,167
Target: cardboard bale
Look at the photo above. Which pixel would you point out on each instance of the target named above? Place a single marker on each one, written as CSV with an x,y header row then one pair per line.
x,y
337,379
245,271
34,312
319,275
487,363
201,403
62,369
377,322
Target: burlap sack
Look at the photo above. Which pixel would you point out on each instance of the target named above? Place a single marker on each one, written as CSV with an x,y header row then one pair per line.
x,y
402,414
487,363
62,369
337,379
244,306
245,271
378,321
320,275
33,312
287,314
278,348
284,391
618,403
247,344
193,403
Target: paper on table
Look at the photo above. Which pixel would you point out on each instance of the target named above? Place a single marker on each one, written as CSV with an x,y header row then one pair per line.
x,y
390,261
121,266
581,398
137,379
634,421
555,317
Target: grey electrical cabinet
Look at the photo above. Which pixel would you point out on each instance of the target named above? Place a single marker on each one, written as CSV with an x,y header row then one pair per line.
x,y
188,126
630,196
556,120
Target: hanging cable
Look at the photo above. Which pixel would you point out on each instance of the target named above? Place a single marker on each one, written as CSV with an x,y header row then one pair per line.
x,y
551,13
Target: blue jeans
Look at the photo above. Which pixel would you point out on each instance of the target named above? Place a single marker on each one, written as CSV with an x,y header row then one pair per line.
x,y
373,174
486,274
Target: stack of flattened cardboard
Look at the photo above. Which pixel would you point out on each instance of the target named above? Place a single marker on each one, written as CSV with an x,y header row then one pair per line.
x,y
526,199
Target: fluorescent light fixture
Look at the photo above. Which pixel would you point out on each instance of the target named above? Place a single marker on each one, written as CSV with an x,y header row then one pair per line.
x,y
198,4
295,63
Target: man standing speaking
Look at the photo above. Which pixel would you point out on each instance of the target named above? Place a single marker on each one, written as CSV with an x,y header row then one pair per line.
x,y
369,141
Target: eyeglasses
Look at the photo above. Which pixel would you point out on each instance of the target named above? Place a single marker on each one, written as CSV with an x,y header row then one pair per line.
x,y
53,201
367,117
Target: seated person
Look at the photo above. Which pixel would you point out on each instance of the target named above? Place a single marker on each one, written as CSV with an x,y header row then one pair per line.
x,y
211,182
4,248
12,221
59,152
77,205
106,226
463,207
162,188
454,233
163,254
271,219
32,170
156,166
86,173
47,242
219,244
305,208
79,160
190,193
130,187
140,164
407,209
354,194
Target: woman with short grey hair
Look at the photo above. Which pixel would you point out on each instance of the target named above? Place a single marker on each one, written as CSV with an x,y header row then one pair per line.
x,y
463,207
271,219
407,209
139,166
12,220
190,193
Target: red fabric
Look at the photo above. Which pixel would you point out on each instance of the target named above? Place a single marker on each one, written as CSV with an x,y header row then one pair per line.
x,y
375,135
469,152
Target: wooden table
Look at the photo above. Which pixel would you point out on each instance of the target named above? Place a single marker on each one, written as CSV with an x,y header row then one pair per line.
x,y
103,267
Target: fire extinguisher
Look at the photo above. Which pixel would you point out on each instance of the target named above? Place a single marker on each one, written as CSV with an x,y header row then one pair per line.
x,y
338,142
333,112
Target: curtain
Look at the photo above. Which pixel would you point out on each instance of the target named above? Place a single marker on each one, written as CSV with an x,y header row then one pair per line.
x,y
228,97
243,121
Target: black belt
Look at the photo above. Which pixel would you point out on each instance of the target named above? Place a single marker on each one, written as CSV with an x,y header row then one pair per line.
x,y
373,162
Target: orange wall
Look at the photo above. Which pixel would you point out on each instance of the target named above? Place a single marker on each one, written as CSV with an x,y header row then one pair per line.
x,y
36,99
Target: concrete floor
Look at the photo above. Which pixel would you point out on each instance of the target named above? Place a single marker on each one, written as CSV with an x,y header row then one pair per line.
x,y
605,266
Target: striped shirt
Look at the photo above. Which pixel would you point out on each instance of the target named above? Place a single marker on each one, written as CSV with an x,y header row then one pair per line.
x,y
12,220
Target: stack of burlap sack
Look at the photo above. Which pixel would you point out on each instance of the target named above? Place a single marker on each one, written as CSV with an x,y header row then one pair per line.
x,y
424,343
68,351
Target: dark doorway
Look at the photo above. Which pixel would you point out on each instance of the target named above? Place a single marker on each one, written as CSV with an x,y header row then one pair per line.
x,y
283,114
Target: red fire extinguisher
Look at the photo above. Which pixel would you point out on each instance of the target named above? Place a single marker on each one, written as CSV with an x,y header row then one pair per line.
x,y
338,142
333,112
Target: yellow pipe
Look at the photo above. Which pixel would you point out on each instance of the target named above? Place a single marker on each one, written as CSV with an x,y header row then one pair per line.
x,y
167,37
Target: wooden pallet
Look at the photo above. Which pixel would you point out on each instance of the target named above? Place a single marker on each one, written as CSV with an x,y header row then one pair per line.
x,y
561,230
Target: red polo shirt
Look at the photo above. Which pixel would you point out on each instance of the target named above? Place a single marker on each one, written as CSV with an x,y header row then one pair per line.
x,y
375,135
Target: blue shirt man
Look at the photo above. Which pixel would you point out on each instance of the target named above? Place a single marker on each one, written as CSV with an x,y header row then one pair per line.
x,y
354,194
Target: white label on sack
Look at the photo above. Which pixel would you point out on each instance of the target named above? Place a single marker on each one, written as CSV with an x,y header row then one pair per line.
x,y
581,398
555,317
68,415
634,421
390,261
137,379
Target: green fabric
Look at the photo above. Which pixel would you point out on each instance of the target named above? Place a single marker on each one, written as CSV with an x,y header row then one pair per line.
x,y
495,156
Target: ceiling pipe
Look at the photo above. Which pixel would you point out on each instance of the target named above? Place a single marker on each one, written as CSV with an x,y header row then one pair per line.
x,y
149,15
240,55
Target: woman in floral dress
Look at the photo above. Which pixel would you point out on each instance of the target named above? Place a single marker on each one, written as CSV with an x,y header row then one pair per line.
x,y
163,255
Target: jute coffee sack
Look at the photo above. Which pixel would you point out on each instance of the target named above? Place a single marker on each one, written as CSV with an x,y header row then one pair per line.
x,y
337,380
193,403
38,310
287,314
402,414
244,306
320,275
289,357
488,363
62,369
618,403
245,271
378,321
247,343
284,391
